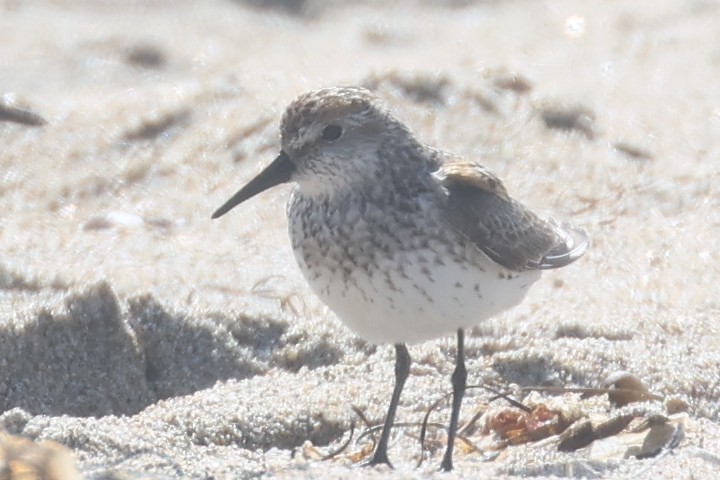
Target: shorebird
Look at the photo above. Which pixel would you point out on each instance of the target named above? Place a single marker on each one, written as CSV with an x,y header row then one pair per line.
x,y
404,242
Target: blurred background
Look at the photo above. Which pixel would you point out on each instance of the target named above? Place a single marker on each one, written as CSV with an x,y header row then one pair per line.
x,y
124,124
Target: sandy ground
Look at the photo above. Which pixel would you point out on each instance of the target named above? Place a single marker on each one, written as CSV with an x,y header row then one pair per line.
x,y
156,343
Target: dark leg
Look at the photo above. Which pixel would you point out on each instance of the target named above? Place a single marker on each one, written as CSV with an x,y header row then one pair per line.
x,y
459,381
402,370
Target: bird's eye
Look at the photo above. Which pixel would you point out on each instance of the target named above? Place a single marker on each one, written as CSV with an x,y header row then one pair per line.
x,y
331,133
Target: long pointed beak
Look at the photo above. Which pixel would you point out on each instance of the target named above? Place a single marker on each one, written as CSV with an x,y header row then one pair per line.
x,y
279,171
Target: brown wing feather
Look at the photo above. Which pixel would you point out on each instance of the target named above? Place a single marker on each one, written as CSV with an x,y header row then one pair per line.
x,y
479,207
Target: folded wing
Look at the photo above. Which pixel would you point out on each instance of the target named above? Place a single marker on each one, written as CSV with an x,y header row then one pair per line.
x,y
479,207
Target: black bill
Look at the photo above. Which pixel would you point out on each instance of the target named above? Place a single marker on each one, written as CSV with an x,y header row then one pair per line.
x,y
279,171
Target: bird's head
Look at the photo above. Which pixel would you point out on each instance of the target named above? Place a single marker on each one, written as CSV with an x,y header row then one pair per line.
x,y
331,139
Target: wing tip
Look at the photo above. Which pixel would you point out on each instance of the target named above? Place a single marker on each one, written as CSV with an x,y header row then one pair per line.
x,y
575,242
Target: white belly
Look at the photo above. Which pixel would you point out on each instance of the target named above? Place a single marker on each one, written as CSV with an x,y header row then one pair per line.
x,y
417,296
397,273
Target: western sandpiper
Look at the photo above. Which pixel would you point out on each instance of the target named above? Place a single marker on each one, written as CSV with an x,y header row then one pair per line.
x,y
404,242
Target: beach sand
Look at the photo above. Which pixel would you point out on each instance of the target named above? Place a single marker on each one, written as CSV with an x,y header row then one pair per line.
x,y
153,342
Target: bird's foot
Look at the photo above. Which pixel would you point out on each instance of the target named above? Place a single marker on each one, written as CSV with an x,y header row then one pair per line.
x,y
378,458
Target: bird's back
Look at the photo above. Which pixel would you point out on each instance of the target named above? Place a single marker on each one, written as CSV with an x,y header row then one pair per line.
x,y
479,208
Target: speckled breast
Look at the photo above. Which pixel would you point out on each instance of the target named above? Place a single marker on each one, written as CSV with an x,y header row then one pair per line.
x,y
395,275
